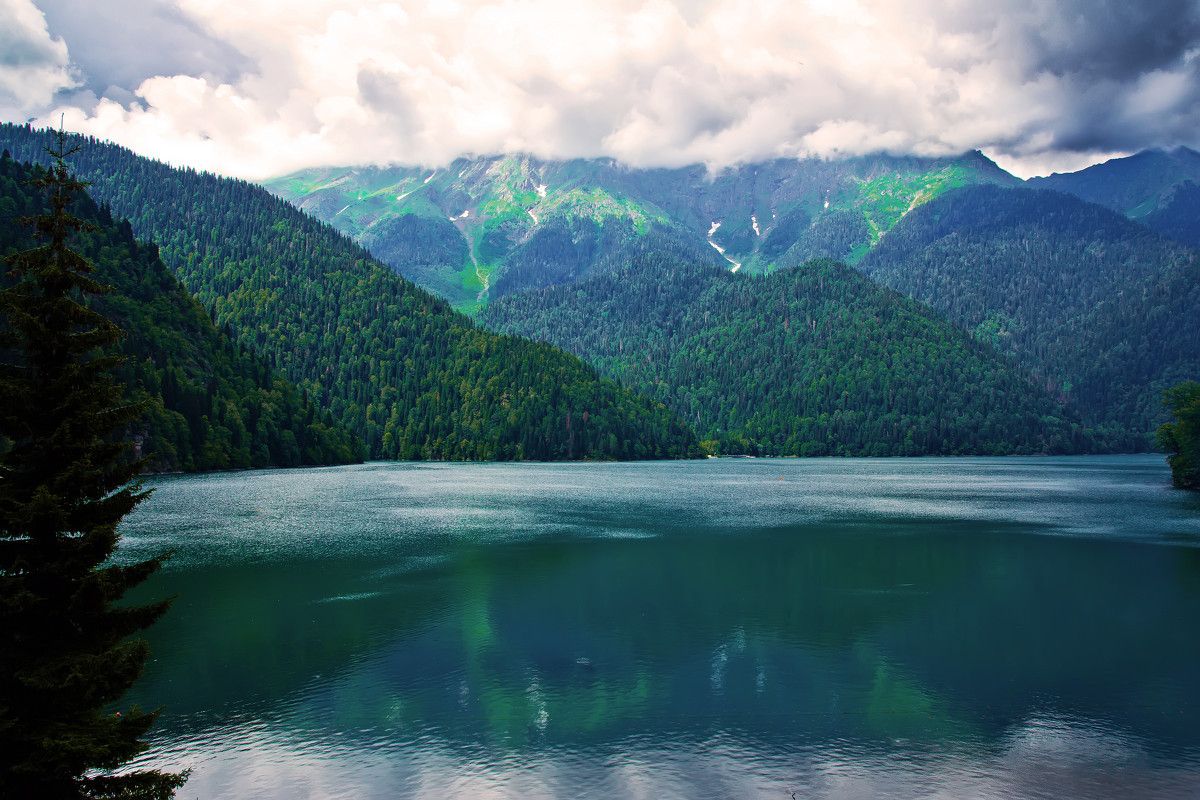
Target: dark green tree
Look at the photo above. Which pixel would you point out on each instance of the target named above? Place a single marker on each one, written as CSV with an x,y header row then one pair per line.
x,y
65,484
1181,437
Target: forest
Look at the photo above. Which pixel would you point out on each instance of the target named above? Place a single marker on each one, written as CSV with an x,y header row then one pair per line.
x,y
810,361
209,404
389,361
1101,310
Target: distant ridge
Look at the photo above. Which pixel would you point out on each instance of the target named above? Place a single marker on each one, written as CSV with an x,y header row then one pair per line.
x,y
815,360
1153,187
483,228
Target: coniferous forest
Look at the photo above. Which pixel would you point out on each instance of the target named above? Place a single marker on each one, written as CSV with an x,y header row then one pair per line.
x,y
1101,311
390,362
1034,323
810,361
208,403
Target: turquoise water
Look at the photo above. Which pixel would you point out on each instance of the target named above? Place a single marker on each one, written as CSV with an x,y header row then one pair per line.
x,y
990,628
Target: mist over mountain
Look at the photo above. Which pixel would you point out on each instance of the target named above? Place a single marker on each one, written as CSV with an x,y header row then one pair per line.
x,y
1040,305
1041,277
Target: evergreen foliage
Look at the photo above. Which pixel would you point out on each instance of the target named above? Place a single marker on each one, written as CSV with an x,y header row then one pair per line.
x,y
840,235
388,360
64,487
1105,313
811,361
1179,217
206,404
1180,438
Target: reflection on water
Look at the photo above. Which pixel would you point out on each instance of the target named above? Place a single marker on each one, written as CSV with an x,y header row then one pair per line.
x,y
834,628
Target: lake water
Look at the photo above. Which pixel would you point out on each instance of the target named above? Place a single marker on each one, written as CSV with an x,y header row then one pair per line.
x,y
957,628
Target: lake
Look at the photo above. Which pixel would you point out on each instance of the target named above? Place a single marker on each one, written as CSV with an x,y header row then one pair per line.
x,y
833,628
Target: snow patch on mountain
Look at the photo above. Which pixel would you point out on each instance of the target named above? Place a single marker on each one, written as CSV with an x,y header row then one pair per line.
x,y
736,264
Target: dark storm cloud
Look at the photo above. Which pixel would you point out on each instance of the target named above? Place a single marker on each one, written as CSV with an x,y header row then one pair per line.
x,y
1110,75
1113,39
120,43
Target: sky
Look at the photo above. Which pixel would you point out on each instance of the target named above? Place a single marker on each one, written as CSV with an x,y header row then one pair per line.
x,y
259,88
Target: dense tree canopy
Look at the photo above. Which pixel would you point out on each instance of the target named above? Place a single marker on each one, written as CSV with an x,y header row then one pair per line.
x,y
811,361
1180,437
1103,311
394,364
207,404
64,487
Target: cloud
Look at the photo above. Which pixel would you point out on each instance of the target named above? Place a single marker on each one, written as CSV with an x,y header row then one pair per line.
x,y
258,87
33,65
118,44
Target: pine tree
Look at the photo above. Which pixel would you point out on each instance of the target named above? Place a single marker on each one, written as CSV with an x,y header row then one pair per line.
x,y
64,487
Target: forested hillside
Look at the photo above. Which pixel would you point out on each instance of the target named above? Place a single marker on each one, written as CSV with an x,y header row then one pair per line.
x,y
1157,188
815,360
1179,216
1105,312
389,361
210,404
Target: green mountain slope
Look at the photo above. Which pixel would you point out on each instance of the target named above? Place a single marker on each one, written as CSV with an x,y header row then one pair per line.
x,y
1178,217
391,362
815,360
1157,188
1104,311
485,228
211,405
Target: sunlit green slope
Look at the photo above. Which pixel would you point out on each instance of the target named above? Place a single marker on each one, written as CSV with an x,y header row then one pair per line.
x,y
483,228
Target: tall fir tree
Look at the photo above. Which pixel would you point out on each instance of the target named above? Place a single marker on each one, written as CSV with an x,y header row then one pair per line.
x,y
65,485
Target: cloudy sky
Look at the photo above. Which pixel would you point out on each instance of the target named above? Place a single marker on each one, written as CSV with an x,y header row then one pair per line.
x,y
255,88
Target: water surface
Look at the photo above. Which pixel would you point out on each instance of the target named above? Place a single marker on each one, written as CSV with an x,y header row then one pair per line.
x,y
1003,628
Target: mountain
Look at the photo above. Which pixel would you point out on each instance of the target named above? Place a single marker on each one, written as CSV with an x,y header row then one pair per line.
x,y
210,404
484,228
1105,312
1155,187
391,362
1178,217
814,360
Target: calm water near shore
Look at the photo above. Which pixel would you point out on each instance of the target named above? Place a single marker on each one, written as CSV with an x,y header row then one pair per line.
x,y
837,628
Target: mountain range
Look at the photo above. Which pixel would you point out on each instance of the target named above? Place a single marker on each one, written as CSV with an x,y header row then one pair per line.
x,y
385,359
977,315
483,228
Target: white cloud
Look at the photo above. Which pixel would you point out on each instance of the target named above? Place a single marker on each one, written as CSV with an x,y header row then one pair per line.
x,y
654,82
33,66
